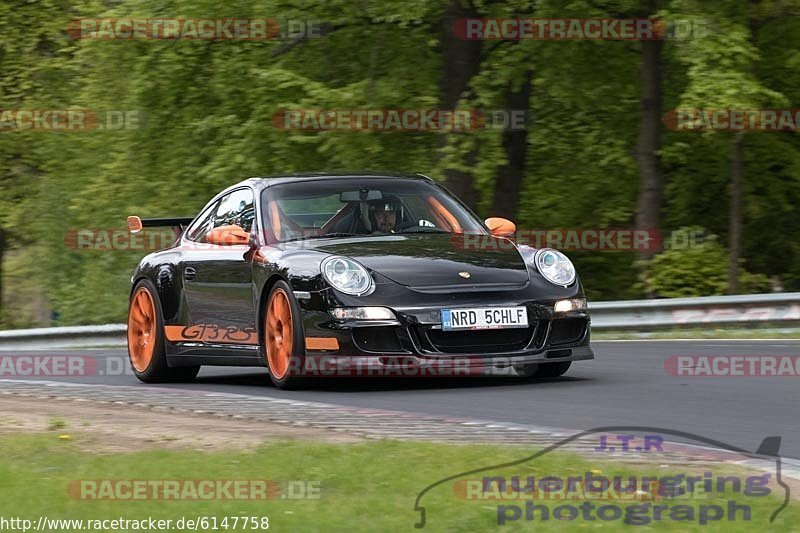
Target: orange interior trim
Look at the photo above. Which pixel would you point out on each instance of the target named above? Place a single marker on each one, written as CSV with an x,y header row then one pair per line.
x,y
275,215
228,235
445,215
322,343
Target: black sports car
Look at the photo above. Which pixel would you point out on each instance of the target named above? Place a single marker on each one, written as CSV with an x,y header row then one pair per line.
x,y
351,274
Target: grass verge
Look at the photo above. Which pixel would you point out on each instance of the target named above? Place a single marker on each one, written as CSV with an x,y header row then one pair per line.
x,y
362,487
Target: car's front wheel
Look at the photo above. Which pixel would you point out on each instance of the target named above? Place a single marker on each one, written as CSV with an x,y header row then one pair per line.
x,y
146,349
283,338
543,370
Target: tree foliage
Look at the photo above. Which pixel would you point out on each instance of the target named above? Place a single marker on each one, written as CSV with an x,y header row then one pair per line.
x,y
207,109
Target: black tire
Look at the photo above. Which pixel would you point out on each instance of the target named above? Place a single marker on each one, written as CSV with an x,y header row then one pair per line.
x,y
543,370
293,378
157,370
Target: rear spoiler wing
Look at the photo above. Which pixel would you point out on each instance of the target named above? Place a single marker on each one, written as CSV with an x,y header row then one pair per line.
x,y
135,224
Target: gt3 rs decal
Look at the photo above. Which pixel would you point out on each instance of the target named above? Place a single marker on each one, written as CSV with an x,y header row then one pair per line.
x,y
211,333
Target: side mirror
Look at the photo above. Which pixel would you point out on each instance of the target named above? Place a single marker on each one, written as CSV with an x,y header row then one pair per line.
x,y
134,224
500,227
228,235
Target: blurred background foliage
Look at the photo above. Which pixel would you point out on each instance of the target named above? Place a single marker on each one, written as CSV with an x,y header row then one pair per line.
x,y
595,154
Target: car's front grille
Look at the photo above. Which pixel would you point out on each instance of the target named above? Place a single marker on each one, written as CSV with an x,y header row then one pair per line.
x,y
475,342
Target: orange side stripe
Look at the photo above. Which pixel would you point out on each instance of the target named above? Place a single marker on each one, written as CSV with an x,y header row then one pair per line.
x,y
322,343
174,333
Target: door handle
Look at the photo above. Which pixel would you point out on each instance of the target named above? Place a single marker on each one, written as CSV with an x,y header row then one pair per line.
x,y
189,273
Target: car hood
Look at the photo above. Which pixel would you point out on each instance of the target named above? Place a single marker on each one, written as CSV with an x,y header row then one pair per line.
x,y
436,261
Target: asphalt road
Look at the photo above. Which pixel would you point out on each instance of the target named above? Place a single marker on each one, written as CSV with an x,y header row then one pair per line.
x,y
625,385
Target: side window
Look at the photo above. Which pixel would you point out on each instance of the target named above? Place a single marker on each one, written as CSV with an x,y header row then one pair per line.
x,y
203,225
236,208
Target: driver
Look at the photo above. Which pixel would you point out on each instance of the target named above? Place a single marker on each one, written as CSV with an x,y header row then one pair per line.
x,y
385,215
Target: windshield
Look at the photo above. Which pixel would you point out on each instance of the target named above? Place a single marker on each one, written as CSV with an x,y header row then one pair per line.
x,y
336,207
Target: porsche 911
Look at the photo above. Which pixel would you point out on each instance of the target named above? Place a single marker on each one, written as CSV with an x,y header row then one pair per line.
x,y
313,275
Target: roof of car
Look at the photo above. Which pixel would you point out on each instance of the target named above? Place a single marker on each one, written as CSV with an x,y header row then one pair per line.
x,y
262,182
265,181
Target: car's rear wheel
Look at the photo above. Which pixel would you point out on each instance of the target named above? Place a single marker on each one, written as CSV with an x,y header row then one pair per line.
x,y
283,338
543,370
146,349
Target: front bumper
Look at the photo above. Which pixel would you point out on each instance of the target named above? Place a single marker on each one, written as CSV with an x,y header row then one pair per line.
x,y
415,343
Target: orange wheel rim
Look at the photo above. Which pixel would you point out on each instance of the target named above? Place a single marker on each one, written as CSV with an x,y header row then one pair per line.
x,y
279,333
141,329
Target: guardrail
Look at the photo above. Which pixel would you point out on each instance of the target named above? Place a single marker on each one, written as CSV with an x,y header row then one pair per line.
x,y
67,337
641,315
783,308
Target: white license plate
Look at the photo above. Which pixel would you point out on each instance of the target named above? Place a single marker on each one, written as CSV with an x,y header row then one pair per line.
x,y
484,318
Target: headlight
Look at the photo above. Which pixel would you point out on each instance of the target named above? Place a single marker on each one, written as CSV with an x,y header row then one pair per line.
x,y
347,276
555,266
